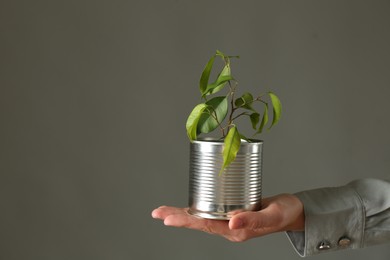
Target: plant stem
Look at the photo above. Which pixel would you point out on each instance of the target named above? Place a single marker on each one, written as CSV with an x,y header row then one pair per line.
x,y
219,124
233,109
243,113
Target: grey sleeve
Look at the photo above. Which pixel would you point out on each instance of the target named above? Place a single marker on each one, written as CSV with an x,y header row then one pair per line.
x,y
352,216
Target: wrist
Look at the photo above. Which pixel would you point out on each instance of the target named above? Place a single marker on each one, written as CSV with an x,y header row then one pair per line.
x,y
294,214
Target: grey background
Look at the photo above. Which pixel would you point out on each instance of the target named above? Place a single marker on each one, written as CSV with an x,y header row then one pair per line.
x,y
93,101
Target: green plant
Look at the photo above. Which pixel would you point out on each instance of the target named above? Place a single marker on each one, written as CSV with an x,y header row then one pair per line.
x,y
213,113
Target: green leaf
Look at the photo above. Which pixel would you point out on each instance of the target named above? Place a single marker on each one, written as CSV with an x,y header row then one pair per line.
x,y
264,119
255,118
245,101
204,79
277,108
232,144
220,83
193,119
218,107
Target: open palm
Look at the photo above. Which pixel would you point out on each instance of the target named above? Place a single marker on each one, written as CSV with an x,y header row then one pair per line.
x,y
279,213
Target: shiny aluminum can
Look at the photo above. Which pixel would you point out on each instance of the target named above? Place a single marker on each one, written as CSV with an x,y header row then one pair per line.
x,y
238,188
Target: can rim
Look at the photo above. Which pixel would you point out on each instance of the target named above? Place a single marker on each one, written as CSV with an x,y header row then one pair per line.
x,y
220,141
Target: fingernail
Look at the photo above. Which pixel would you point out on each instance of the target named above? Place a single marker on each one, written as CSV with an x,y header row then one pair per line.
x,y
168,222
238,223
155,214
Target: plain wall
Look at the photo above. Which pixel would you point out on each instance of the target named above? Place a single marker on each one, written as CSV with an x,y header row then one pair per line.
x,y
94,96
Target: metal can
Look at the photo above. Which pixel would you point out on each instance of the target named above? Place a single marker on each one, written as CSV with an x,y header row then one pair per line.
x,y
238,188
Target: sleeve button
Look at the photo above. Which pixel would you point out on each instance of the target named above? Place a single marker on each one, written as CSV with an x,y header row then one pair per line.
x,y
344,241
324,245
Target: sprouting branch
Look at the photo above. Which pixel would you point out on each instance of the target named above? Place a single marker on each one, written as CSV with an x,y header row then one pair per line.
x,y
233,109
242,114
219,123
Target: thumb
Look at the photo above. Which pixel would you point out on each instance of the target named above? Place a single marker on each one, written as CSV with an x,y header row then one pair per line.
x,y
254,220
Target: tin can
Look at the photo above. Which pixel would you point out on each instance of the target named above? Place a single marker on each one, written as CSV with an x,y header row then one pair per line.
x,y
238,188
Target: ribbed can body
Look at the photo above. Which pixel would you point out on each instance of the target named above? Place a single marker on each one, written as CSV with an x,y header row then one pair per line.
x,y
218,196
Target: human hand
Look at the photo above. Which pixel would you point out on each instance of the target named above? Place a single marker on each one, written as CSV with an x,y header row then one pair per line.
x,y
283,212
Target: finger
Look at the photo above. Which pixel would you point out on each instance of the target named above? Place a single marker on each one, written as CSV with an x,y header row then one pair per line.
x,y
183,219
165,211
186,220
179,217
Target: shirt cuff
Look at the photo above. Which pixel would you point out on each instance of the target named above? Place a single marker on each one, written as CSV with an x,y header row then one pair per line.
x,y
334,220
